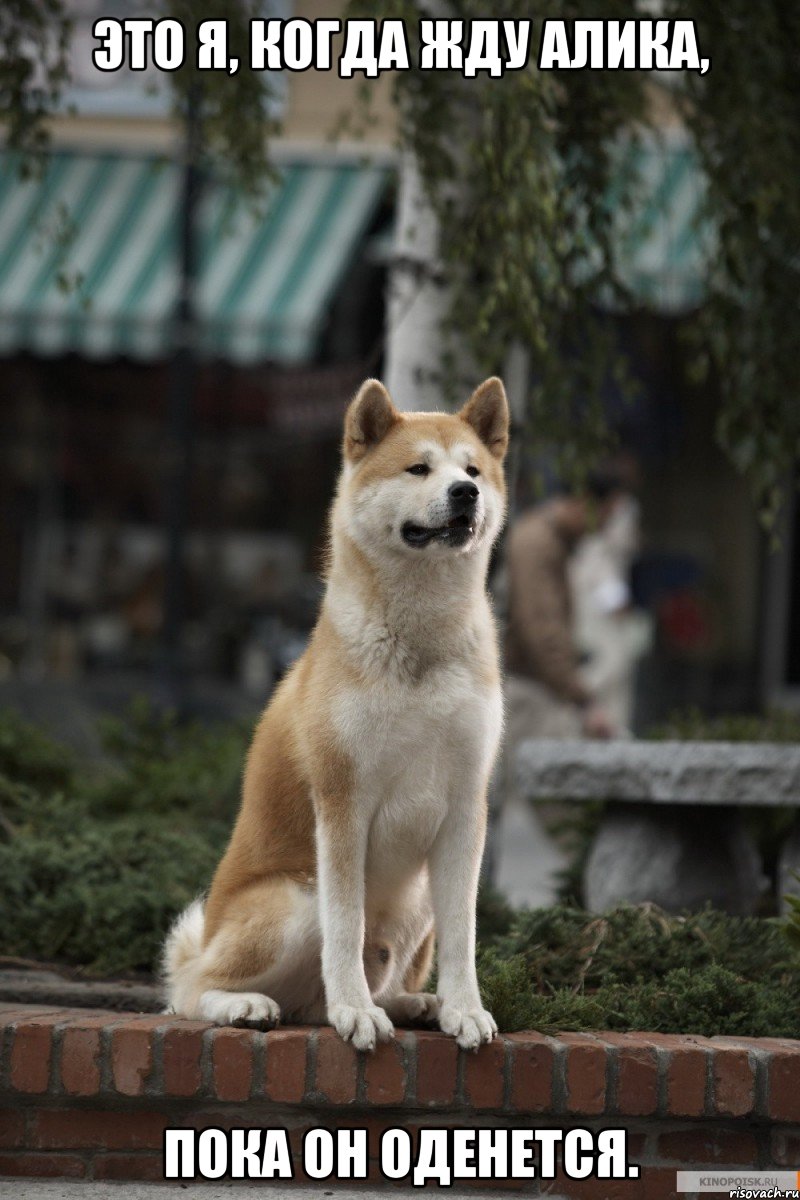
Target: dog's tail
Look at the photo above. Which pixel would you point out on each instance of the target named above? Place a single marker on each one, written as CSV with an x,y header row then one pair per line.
x,y
182,950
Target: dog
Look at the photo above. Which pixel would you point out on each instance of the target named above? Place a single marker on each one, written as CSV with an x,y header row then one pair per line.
x,y
363,812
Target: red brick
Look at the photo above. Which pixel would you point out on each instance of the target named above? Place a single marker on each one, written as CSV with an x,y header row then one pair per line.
x,y
597,1189
182,1048
772,1045
11,1013
149,1167
374,1177
82,1018
31,1054
337,1067
437,1063
785,1148
227,1118
153,1023
483,1075
637,1082
80,1061
734,1083
709,1146
131,1058
78,1129
585,1074
749,1043
298,1133
637,1074
286,1065
12,1128
636,1143
516,1187
42,1166
385,1073
784,1085
658,1183
90,1018
593,1189
232,1063
686,1080
531,1073
375,1127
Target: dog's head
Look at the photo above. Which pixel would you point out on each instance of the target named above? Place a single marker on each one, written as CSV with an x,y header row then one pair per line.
x,y
424,484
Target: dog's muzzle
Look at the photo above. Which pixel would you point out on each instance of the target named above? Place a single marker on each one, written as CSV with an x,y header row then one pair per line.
x,y
462,498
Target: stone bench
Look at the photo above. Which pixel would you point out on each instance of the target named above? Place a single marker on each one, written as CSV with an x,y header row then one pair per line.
x,y
672,831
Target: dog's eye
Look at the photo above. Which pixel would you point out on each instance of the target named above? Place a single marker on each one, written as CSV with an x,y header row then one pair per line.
x,y
472,471
419,469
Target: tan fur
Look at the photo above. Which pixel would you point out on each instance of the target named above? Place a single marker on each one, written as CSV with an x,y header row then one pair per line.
x,y
301,791
418,973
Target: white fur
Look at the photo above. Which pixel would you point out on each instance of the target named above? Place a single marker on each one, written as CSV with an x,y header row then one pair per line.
x,y
421,727
239,1008
423,749
184,943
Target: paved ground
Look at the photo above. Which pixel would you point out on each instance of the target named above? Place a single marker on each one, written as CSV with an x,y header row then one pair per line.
x,y
56,1189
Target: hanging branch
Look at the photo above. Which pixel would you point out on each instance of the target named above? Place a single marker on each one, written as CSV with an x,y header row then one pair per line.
x,y
528,193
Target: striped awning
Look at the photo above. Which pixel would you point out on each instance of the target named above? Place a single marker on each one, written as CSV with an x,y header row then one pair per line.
x,y
89,257
663,245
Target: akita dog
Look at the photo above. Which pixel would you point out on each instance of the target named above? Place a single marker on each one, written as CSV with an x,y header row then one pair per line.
x,y
363,814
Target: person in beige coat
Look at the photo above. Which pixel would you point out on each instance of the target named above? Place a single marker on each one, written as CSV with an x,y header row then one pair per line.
x,y
543,671
612,633
545,694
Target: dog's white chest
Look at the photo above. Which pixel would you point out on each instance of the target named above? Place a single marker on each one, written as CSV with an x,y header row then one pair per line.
x,y
392,731
415,751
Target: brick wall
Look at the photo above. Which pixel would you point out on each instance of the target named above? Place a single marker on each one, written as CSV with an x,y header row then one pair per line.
x,y
89,1094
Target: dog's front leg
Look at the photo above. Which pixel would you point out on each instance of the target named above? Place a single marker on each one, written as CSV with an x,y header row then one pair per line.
x,y
341,856
454,866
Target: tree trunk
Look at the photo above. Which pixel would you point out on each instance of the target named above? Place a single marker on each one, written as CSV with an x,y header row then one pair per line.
x,y
417,300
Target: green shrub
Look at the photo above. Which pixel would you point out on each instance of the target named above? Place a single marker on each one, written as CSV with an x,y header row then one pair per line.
x,y
96,860
95,863
160,765
567,947
710,1002
792,922
30,756
100,894
692,725
637,968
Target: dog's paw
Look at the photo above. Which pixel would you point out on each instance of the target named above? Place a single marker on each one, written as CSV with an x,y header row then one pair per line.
x,y
364,1027
469,1026
251,1009
413,1006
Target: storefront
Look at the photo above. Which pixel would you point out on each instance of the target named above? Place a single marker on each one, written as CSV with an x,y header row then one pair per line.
x,y
289,315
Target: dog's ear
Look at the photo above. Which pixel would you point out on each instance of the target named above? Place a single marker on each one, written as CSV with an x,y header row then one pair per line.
x,y
487,412
369,418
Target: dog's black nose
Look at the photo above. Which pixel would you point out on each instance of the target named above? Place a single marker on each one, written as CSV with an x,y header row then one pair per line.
x,y
462,494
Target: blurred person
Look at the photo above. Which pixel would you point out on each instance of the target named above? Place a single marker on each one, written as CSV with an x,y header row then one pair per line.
x,y
547,695
611,634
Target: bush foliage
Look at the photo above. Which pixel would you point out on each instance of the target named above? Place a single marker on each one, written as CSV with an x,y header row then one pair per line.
x,y
637,968
691,725
96,859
